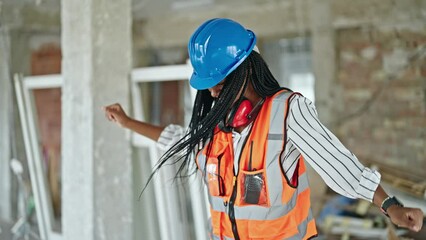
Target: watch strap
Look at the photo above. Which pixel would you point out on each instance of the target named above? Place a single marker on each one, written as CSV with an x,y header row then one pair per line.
x,y
389,201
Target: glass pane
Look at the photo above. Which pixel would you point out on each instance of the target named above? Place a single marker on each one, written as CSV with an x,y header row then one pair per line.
x,y
47,104
163,102
303,83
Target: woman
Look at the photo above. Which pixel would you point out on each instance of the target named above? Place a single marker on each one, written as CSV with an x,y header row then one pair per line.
x,y
251,139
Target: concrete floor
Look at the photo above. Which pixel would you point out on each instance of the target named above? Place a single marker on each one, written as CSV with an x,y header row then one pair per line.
x,y
6,234
5,230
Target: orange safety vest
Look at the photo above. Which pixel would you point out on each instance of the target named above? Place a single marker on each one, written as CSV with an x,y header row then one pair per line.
x,y
258,202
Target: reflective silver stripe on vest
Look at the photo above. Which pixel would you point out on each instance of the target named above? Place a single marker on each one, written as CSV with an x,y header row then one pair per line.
x,y
254,212
201,159
275,145
217,204
275,136
224,238
302,228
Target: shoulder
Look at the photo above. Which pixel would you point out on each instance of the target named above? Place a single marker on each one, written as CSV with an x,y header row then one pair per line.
x,y
282,95
300,105
291,97
299,99
292,100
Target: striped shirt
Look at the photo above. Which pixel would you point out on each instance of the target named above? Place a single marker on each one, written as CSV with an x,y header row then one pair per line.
x,y
307,136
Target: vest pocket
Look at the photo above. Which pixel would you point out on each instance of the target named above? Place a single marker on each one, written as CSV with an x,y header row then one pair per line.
x,y
253,188
214,180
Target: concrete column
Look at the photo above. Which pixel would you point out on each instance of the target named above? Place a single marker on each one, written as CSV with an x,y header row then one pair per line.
x,y
5,116
97,175
323,57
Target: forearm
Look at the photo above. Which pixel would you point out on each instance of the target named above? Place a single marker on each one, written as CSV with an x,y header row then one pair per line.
x,y
148,130
379,196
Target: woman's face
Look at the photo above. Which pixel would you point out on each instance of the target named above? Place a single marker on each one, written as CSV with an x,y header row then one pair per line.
x,y
215,91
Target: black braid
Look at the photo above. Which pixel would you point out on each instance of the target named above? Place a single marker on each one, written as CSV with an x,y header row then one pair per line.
x,y
208,112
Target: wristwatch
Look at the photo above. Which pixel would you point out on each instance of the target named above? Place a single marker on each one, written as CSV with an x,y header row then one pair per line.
x,y
389,201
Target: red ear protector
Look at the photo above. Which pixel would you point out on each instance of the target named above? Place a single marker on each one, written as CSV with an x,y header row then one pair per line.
x,y
240,115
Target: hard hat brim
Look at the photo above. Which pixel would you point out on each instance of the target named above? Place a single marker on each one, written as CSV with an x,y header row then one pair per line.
x,y
201,83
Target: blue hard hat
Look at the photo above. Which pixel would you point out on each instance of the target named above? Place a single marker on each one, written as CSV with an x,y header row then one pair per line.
x,y
217,48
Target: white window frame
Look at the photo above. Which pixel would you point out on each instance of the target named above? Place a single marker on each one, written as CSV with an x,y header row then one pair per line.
x,y
169,211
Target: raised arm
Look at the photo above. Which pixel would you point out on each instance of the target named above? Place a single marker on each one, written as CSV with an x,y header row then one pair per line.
x,y
116,114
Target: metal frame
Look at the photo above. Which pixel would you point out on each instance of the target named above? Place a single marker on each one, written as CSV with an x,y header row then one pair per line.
x,y
167,207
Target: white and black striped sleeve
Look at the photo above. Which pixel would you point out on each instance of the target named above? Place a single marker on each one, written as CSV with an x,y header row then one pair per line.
x,y
339,168
170,135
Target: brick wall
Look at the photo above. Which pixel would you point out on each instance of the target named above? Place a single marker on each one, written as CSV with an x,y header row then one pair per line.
x,y
47,60
171,104
382,116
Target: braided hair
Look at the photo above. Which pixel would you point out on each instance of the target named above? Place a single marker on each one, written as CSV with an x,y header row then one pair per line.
x,y
208,112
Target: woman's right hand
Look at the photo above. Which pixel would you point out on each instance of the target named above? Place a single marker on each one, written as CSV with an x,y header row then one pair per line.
x,y
115,113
